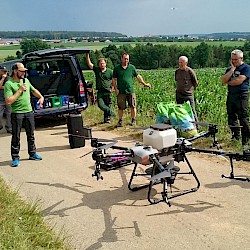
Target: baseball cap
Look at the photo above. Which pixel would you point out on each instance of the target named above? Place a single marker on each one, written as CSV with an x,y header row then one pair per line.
x,y
18,66
3,68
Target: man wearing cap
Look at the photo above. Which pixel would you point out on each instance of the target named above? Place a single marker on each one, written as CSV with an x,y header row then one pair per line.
x,y
3,106
17,94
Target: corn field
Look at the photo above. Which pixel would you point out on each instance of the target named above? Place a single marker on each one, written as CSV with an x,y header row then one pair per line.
x,y
210,95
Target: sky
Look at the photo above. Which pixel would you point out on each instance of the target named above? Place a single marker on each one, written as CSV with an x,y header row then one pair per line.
x,y
129,17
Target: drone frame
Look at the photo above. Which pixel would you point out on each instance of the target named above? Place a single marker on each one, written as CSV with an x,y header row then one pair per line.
x,y
161,169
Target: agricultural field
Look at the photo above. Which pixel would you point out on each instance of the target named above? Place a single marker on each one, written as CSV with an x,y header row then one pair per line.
x,y
210,94
210,97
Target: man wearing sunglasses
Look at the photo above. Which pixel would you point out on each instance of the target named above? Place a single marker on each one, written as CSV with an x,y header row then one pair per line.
x,y
17,93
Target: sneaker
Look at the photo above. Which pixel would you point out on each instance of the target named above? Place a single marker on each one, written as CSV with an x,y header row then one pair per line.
x,y
132,122
15,163
119,124
9,131
35,157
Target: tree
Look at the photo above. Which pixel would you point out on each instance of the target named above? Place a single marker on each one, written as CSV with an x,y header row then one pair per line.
x,y
30,45
202,55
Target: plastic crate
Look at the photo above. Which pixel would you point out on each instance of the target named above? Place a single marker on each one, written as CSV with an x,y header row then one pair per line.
x,y
65,100
36,104
56,101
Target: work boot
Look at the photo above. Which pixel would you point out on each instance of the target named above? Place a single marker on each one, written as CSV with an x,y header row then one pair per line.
x,y
119,124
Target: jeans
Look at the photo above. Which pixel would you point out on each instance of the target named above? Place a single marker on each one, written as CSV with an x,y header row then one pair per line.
x,y
18,120
104,102
7,109
237,109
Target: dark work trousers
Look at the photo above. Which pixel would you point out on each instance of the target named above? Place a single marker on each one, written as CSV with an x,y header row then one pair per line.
x,y
104,102
18,120
180,99
237,109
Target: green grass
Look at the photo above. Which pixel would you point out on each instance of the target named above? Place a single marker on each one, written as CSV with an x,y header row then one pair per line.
x,y
22,226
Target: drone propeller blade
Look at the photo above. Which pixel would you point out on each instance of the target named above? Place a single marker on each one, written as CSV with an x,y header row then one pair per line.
x,y
105,140
86,154
204,124
107,146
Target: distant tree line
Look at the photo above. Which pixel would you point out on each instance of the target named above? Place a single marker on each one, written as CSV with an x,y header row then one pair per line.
x,y
119,37
50,35
150,56
159,56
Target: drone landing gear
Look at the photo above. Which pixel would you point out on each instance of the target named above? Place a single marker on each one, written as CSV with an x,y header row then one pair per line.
x,y
166,178
232,176
169,182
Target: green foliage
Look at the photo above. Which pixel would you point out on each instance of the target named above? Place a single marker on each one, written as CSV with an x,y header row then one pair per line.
x,y
156,56
30,45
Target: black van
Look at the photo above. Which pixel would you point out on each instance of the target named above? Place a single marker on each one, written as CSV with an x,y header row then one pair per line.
x,y
57,74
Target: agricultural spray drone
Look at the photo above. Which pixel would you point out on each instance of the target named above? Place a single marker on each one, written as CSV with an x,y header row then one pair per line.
x,y
159,151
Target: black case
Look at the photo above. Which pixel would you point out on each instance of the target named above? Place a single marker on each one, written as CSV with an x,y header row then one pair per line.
x,y
75,131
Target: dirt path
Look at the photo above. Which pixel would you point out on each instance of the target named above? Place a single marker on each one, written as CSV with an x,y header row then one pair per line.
x,y
106,215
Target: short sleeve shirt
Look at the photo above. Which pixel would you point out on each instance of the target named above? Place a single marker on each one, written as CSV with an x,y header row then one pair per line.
x,y
103,79
125,78
22,104
243,69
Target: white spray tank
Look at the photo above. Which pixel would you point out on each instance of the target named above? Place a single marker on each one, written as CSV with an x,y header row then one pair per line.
x,y
160,136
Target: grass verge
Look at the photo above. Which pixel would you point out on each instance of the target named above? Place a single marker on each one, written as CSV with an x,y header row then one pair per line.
x,y
22,226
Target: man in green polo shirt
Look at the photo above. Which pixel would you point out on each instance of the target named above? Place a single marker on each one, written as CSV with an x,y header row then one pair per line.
x,y
103,76
122,83
17,92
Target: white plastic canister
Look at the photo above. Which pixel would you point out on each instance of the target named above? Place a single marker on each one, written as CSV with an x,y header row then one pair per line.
x,y
160,136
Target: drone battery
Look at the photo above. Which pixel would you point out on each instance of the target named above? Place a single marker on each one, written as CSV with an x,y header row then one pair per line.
x,y
160,136
75,131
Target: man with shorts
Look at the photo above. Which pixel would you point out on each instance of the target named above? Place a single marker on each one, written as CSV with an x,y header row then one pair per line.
x,y
122,83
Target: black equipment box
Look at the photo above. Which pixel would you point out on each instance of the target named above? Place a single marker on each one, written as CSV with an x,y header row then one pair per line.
x,y
75,131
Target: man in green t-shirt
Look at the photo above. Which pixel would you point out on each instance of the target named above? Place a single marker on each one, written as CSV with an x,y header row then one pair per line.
x,y
103,76
17,94
122,82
